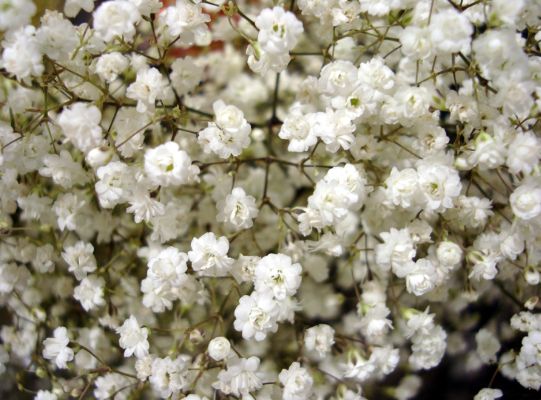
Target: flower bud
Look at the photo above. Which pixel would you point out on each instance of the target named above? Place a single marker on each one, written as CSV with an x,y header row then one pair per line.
x,y
531,275
531,302
196,336
449,254
99,156
219,348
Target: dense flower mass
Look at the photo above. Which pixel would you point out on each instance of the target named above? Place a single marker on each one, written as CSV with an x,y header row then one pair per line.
x,y
272,200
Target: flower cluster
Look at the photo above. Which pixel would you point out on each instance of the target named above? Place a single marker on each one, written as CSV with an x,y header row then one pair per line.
x,y
297,200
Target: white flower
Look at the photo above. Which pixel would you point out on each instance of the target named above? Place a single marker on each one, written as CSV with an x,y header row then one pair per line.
x,y
185,75
143,367
56,348
167,165
488,394
45,395
526,200
449,254
530,352
386,359
334,128
358,367
484,265
243,269
16,14
418,322
402,188
338,79
319,338
170,376
116,18
113,184
489,152
63,170
110,65
439,185
99,156
279,30
22,56
166,276
110,385
12,277
131,127
341,190
450,32
396,251
256,315
147,7
228,135
187,21
238,210
90,292
523,153
143,206
277,274
375,74
80,259
416,42
133,338
80,123
297,129
420,279
148,87
262,62
209,254
219,348
374,323
67,208
240,378
297,382
428,348
72,7
487,346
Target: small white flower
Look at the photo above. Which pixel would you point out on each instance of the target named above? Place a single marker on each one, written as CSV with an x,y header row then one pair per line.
x,y
256,315
319,338
116,18
209,254
148,87
277,274
238,210
240,378
170,376
488,346
297,382
167,165
90,292
420,279
80,259
449,254
219,348
450,32
488,394
80,123
228,135
22,56
133,338
526,201
279,30
45,395
56,348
